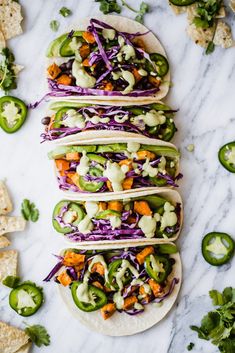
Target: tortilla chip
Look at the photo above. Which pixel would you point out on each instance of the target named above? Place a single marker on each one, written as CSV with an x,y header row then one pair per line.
x,y
12,339
178,10
10,18
11,224
8,264
223,35
25,349
192,12
4,242
232,5
2,41
5,201
199,35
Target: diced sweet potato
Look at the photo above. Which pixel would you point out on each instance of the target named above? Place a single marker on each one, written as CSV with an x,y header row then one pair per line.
x,y
142,208
129,302
53,71
73,259
98,285
64,80
73,156
64,279
102,206
79,267
144,155
98,267
126,162
136,74
156,288
109,185
84,50
61,164
75,179
154,81
115,206
145,296
108,310
69,176
89,38
127,183
108,86
144,253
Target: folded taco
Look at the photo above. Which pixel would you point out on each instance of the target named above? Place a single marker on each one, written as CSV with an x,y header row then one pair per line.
x,y
70,119
119,292
115,164
110,57
146,217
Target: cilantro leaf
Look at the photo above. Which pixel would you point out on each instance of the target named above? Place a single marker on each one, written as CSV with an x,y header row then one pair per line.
x,y
210,48
38,334
7,73
109,6
190,346
54,25
144,8
11,281
29,211
206,12
65,12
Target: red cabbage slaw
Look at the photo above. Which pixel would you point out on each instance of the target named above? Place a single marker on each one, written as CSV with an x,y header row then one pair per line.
x,y
105,56
104,231
127,254
108,112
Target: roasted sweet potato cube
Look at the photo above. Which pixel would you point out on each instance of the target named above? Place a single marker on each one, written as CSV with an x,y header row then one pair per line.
x,y
142,208
108,310
156,288
98,267
129,302
53,71
64,279
141,256
115,206
73,259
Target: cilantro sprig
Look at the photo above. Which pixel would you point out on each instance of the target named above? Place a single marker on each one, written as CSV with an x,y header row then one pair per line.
x,y
7,73
109,6
218,326
144,8
38,334
54,25
29,211
65,12
207,10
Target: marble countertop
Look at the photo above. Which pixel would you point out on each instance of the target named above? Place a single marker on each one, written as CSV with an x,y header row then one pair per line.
x,y
203,88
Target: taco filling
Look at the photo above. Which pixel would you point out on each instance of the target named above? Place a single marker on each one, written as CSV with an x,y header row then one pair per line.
x,y
104,61
113,281
150,216
151,120
114,167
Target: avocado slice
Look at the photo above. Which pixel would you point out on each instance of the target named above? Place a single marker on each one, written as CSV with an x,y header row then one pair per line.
x,y
60,151
63,104
107,213
161,150
154,201
54,48
115,147
96,158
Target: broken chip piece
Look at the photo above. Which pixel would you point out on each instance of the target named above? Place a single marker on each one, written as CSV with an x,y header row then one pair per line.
x,y
11,224
8,264
10,18
5,201
13,340
4,242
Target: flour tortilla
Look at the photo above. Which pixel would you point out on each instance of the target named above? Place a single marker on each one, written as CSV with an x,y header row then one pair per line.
x,y
121,324
152,45
8,264
5,200
13,340
11,224
4,242
171,195
84,135
99,137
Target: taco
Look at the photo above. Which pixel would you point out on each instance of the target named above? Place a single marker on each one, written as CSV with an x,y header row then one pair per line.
x,y
146,217
73,119
104,289
114,164
110,57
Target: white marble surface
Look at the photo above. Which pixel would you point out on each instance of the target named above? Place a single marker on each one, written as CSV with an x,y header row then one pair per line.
x,y
203,89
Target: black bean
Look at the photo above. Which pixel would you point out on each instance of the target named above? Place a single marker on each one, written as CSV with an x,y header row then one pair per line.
x,y
46,120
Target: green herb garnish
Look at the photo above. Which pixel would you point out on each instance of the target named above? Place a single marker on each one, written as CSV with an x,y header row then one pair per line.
x,y
29,211
144,8
11,281
218,325
38,334
54,25
65,12
108,6
207,10
210,48
190,346
7,73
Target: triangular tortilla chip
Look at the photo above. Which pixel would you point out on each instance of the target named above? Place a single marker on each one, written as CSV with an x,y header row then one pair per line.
x,y
4,242
25,349
11,224
5,201
12,339
10,18
8,264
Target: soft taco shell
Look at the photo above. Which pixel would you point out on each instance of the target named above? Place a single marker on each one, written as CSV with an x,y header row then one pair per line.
x,y
152,45
88,134
123,324
97,137
172,195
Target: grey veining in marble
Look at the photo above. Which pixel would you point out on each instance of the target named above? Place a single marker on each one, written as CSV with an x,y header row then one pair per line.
x,y
204,90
